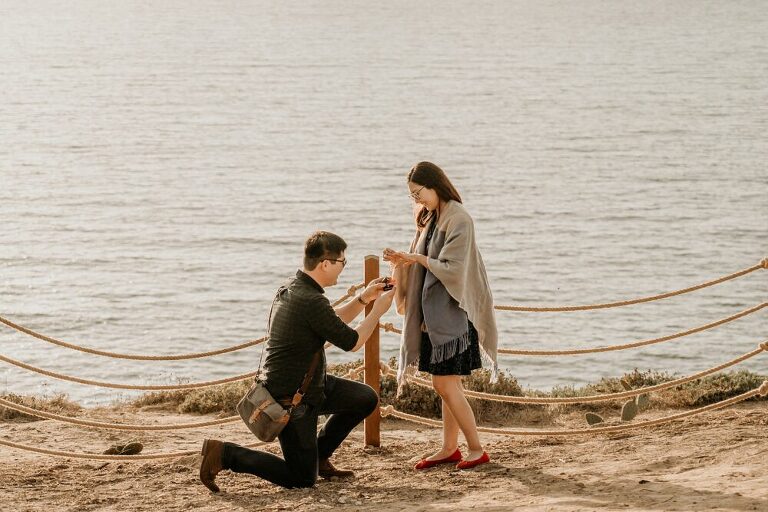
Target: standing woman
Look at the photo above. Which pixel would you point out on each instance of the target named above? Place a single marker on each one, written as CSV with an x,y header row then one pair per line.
x,y
449,323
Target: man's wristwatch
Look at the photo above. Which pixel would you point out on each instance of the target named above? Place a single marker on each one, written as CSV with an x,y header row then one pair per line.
x,y
361,301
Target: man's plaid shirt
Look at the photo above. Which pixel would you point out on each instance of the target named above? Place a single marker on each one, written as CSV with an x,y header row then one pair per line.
x,y
302,321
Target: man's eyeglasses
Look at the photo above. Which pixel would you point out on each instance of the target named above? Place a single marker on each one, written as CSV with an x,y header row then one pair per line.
x,y
415,195
342,261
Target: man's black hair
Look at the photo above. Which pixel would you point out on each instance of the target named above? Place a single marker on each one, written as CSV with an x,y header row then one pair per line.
x,y
322,245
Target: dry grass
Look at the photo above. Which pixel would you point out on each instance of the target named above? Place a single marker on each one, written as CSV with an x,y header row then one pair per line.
x,y
221,399
697,393
58,404
425,402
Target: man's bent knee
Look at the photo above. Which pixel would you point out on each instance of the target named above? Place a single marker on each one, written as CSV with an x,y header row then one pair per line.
x,y
369,400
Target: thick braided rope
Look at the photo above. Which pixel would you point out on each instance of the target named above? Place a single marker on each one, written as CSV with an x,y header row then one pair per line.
x,y
390,411
113,426
193,385
352,374
98,456
356,373
609,348
389,327
135,357
600,398
350,293
762,265
762,390
141,357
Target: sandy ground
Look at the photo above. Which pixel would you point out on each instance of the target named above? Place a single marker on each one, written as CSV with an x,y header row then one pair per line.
x,y
718,461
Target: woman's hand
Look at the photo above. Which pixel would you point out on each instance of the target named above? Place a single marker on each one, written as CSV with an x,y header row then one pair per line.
x,y
405,259
395,258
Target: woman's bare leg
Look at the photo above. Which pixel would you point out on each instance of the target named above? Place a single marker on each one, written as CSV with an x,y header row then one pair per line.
x,y
451,391
450,435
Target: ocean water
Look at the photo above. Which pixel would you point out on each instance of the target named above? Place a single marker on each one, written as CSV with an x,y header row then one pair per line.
x,y
162,163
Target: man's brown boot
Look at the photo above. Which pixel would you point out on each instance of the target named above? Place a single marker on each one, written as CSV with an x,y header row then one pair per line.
x,y
211,464
327,471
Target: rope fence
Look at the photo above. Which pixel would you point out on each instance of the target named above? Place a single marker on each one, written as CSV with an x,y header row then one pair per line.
x,y
636,344
350,293
142,357
391,411
171,387
370,369
763,347
135,357
352,374
389,327
114,426
762,391
555,309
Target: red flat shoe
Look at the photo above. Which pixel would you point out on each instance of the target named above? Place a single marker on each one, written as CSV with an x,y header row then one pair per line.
x,y
468,464
424,463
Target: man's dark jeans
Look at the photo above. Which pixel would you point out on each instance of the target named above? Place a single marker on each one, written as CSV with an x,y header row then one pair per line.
x,y
347,401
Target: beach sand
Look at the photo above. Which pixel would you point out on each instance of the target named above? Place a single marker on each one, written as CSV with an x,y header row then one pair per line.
x,y
716,461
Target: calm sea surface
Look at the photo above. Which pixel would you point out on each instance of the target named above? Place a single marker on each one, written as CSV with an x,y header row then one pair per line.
x,y
162,162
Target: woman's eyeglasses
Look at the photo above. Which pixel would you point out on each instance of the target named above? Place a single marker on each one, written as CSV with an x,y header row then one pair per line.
x,y
415,195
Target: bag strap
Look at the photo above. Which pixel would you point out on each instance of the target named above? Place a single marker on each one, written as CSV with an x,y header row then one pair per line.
x,y
299,395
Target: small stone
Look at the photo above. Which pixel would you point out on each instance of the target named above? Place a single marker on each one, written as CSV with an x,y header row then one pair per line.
x,y
629,411
131,448
593,418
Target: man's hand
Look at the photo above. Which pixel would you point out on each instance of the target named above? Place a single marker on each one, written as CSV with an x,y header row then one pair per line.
x,y
371,322
383,303
375,288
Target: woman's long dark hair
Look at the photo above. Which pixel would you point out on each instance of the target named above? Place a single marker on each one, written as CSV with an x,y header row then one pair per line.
x,y
431,176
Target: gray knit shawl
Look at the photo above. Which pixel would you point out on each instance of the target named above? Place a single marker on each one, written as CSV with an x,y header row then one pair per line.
x,y
460,268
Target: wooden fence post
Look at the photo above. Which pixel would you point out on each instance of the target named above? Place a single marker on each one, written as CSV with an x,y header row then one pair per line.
x,y
372,369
